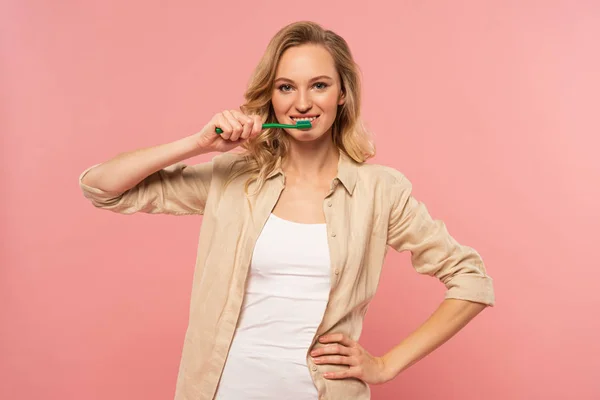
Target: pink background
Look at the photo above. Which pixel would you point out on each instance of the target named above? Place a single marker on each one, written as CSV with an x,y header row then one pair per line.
x,y
491,108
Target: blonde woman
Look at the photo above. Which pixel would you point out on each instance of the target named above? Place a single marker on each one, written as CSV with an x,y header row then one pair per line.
x,y
294,235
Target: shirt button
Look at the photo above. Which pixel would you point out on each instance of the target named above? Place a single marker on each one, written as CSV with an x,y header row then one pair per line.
x,y
337,271
333,234
314,368
329,204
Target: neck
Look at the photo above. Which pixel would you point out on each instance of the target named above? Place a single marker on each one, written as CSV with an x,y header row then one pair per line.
x,y
318,158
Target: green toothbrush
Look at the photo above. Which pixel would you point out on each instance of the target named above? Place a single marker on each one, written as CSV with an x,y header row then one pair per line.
x,y
299,125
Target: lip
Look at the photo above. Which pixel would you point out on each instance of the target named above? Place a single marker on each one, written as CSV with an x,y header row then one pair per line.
x,y
315,116
305,116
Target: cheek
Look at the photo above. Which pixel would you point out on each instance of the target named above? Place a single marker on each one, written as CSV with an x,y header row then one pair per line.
x,y
280,103
329,102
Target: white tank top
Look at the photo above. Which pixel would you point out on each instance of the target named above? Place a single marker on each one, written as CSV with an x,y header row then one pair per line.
x,y
286,294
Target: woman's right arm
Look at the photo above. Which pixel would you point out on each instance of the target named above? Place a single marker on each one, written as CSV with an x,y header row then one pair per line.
x,y
154,180
126,170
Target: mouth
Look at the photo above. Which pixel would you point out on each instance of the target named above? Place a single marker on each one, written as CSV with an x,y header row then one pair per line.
x,y
310,118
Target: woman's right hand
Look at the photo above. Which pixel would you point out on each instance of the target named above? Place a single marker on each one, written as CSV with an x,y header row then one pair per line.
x,y
126,170
237,128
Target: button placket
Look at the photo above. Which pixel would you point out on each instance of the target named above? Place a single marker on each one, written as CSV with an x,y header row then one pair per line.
x,y
333,234
328,211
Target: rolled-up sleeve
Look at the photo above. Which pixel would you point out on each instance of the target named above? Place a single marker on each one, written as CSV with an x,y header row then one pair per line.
x,y
178,189
433,250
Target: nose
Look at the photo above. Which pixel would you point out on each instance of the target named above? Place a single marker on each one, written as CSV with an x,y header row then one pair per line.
x,y
303,102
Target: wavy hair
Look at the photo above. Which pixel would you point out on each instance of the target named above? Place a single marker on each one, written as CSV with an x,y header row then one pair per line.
x,y
265,152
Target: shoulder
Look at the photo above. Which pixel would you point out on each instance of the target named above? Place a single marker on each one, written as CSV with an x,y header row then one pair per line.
x,y
386,185
383,183
381,175
226,164
227,159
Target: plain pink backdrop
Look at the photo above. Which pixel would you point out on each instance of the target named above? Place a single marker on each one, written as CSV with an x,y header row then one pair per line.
x,y
491,108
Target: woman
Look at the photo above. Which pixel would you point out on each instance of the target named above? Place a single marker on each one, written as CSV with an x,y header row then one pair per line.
x,y
294,234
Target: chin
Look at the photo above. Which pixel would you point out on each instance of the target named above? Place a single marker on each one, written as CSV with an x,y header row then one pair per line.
x,y
305,136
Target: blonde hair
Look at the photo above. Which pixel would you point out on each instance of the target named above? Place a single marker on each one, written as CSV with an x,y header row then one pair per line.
x,y
265,152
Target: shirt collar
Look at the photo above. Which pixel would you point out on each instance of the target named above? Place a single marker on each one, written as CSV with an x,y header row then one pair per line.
x,y
347,172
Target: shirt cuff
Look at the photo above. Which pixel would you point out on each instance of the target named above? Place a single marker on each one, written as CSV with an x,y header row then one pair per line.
x,y
477,288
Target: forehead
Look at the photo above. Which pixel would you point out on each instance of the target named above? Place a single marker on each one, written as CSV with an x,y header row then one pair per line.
x,y
304,62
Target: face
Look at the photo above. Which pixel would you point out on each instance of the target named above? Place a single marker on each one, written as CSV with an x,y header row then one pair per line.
x,y
307,86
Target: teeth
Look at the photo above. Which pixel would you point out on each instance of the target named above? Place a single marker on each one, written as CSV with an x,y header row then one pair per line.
x,y
304,119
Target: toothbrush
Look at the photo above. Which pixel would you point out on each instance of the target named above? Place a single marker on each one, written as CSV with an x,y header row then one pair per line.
x,y
299,125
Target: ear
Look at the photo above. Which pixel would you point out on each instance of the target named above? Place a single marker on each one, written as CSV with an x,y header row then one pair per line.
x,y
342,98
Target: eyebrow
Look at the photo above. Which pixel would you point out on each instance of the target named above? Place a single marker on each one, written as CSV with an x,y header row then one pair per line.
x,y
316,78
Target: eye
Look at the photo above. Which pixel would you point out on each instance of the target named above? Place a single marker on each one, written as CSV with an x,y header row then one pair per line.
x,y
285,87
321,85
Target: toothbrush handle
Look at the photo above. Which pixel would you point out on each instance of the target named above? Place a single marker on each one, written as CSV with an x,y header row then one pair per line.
x,y
269,125
218,131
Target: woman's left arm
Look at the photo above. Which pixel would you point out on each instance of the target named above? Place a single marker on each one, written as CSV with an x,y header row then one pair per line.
x,y
449,318
434,252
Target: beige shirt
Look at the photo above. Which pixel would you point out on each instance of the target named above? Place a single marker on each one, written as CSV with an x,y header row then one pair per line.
x,y
368,208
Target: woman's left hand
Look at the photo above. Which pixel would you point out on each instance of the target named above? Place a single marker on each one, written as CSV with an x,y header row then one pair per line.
x,y
341,350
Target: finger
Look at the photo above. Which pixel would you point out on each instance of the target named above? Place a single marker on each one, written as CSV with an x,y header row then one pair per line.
x,y
337,338
246,121
348,373
257,128
334,348
241,116
235,124
225,126
248,127
340,360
